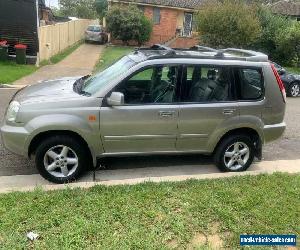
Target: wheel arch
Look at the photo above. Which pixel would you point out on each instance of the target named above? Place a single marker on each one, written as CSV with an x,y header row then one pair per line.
x,y
251,132
46,134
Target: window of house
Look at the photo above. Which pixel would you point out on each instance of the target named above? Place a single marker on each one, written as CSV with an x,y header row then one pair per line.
x,y
250,84
141,8
206,84
156,15
152,85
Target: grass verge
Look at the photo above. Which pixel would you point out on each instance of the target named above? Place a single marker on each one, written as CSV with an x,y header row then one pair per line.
x,y
110,55
62,55
190,214
10,71
295,70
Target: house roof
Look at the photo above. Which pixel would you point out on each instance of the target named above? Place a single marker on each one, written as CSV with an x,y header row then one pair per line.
x,y
288,8
186,4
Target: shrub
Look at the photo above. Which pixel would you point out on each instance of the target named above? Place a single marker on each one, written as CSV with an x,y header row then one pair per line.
x,y
228,24
288,45
128,23
271,26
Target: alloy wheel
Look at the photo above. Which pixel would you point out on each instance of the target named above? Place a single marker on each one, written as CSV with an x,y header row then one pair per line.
x,y
61,161
236,155
295,90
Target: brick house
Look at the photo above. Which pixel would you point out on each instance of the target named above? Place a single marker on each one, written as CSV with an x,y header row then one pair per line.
x,y
173,20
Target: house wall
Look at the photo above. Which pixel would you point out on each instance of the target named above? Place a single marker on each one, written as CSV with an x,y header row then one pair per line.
x,y
166,29
170,20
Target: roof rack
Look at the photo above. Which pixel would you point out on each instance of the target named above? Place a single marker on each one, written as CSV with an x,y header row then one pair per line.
x,y
225,54
169,50
249,55
202,49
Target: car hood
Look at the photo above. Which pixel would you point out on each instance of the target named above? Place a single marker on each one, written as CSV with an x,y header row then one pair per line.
x,y
58,88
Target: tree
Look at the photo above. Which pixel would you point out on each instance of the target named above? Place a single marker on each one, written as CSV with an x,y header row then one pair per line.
x,y
128,23
78,8
271,26
228,24
288,45
101,7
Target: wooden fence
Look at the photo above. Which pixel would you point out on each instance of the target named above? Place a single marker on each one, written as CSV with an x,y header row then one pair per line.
x,y
55,38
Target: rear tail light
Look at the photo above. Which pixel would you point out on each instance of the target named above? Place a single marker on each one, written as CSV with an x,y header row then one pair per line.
x,y
279,82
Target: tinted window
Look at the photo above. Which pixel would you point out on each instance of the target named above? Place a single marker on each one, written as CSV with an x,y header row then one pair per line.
x,y
206,84
150,86
156,15
250,84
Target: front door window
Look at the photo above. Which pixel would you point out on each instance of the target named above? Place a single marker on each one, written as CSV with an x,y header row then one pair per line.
x,y
155,85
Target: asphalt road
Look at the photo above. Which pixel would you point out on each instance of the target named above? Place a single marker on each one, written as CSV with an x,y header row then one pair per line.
x,y
287,148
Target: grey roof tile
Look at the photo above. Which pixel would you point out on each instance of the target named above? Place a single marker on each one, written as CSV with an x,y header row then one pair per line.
x,y
190,4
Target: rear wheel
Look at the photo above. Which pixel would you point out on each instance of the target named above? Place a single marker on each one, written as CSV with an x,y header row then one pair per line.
x,y
294,89
235,153
61,159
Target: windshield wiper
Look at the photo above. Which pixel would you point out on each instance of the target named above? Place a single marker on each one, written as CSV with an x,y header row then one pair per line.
x,y
78,85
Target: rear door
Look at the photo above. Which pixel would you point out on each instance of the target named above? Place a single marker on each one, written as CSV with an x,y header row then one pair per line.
x,y
250,92
207,106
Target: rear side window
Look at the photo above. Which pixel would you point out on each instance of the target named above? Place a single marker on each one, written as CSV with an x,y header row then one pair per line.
x,y
204,84
250,84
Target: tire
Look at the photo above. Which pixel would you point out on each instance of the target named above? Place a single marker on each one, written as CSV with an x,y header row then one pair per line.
x,y
236,146
65,158
294,89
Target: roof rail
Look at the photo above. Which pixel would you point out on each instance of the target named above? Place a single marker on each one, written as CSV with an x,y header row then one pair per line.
x,y
249,55
203,48
169,51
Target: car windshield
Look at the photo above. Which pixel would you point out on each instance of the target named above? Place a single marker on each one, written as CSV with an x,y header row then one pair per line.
x,y
94,28
95,82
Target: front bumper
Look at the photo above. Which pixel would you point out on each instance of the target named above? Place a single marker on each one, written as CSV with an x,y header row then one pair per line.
x,y
14,139
273,132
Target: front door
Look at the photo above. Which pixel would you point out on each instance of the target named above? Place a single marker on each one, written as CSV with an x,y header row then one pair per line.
x,y
206,107
147,122
187,25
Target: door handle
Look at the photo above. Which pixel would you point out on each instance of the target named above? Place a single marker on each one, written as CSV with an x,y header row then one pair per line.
x,y
228,111
166,113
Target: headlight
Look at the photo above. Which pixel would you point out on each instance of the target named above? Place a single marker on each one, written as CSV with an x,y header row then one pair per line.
x,y
12,111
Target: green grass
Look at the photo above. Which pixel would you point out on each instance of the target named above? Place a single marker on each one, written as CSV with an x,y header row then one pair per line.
x,y
293,69
62,55
152,216
10,71
110,55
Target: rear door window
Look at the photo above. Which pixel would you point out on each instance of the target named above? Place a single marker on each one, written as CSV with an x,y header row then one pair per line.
x,y
205,84
250,83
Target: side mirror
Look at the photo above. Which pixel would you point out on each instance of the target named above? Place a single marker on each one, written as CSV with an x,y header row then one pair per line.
x,y
281,71
115,99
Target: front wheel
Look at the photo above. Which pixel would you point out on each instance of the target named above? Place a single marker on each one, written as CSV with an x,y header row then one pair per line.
x,y
235,153
60,159
294,89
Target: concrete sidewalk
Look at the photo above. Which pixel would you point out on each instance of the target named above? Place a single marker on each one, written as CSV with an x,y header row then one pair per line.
x,y
81,62
135,176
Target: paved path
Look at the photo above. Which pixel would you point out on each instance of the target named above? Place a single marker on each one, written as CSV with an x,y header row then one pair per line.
x,y
80,62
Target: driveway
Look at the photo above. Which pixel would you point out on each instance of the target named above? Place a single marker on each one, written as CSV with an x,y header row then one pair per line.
x,y
285,149
81,62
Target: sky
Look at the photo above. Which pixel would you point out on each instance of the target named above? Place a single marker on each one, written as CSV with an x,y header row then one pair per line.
x,y
52,3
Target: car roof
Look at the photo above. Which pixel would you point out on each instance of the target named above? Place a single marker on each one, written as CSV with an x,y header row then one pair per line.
x,y
197,52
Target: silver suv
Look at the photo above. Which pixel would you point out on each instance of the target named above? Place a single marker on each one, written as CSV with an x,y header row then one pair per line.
x,y
153,101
